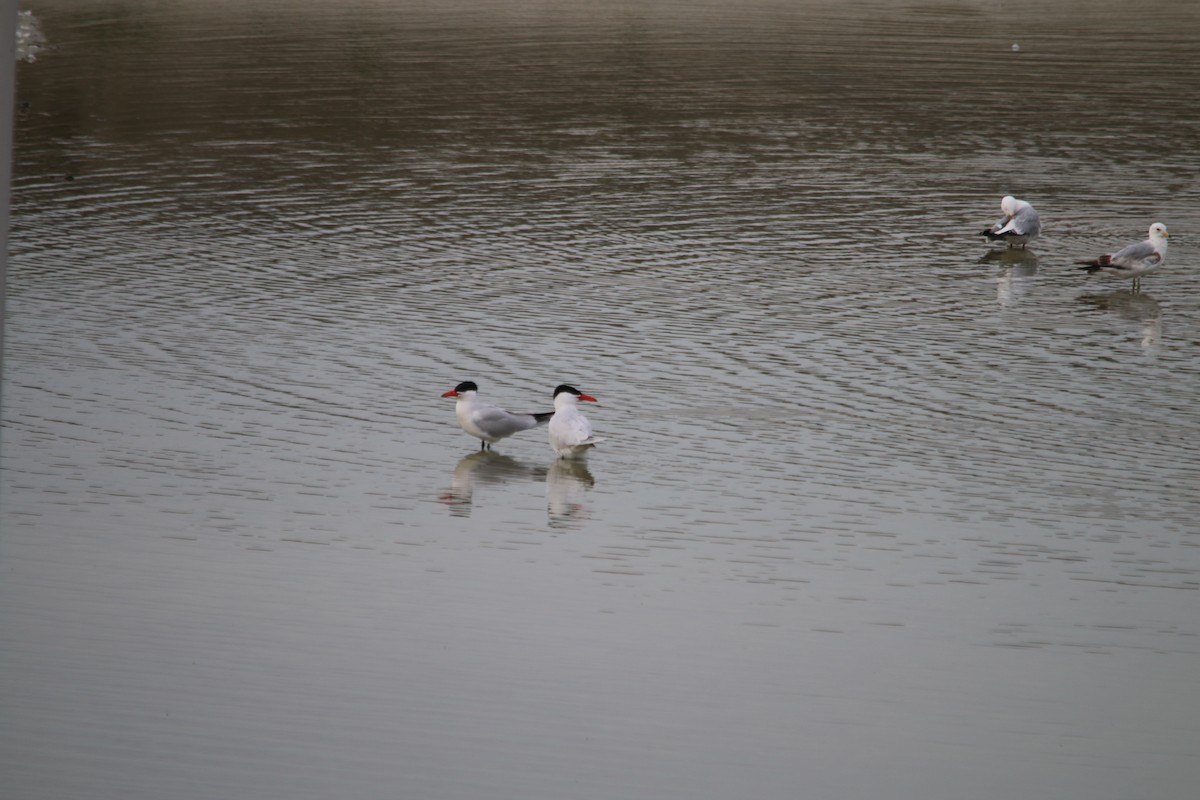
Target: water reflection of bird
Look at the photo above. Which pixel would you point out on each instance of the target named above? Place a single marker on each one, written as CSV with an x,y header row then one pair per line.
x,y
1135,260
483,468
1015,265
1135,307
567,483
1023,262
1019,225
486,422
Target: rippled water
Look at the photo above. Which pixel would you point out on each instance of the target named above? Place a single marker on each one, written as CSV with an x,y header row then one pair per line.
x,y
880,510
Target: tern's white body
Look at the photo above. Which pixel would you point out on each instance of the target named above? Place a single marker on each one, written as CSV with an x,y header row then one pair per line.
x,y
570,431
1135,260
487,422
1020,225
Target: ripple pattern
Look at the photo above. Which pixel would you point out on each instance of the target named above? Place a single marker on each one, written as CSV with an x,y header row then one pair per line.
x,y
235,310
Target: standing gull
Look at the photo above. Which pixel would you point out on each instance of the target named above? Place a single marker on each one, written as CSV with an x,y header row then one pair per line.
x,y
486,422
1020,224
570,431
1135,260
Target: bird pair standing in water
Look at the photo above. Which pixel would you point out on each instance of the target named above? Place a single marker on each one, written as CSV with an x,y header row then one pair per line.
x,y
570,431
1021,225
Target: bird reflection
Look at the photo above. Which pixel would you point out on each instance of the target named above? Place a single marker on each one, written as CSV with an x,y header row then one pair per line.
x,y
1015,265
1134,307
567,483
483,468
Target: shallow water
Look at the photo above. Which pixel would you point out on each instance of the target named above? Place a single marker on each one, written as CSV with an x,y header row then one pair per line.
x,y
880,510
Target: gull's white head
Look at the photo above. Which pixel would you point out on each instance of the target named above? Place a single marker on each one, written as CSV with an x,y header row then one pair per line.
x,y
1009,205
1158,230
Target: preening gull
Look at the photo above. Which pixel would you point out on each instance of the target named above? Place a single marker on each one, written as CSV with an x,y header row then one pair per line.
x,y
1020,224
1135,260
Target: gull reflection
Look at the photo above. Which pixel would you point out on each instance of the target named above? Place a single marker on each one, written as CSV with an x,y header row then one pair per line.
x,y
567,483
1015,267
483,468
1134,307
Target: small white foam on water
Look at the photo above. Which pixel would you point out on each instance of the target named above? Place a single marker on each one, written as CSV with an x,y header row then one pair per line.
x,y
30,39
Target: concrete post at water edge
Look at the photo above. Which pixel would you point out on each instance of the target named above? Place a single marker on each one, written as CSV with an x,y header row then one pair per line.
x,y
8,80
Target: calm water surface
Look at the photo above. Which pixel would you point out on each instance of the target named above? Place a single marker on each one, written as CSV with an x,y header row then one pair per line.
x,y
880,511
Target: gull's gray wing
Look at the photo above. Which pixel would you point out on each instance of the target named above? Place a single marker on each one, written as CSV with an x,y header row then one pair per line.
x,y
1134,254
1026,221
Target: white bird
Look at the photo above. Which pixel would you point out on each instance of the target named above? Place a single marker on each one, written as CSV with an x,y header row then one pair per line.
x,y
570,432
486,422
1020,225
1135,260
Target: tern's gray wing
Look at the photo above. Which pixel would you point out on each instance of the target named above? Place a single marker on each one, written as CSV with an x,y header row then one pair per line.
x,y
498,422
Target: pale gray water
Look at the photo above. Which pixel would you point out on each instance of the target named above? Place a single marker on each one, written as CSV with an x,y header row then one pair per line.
x,y
881,512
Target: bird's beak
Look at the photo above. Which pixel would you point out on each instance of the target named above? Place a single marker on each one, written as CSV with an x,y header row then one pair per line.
x,y
589,398
450,393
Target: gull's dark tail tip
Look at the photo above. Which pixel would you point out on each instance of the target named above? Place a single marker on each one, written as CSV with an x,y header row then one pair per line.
x,y
544,417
